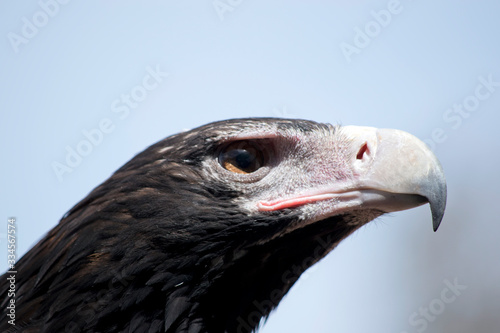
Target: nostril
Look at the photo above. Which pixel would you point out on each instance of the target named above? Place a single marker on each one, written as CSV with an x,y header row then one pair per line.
x,y
362,151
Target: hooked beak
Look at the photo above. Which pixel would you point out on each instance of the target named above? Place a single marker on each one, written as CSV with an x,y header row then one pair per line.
x,y
399,166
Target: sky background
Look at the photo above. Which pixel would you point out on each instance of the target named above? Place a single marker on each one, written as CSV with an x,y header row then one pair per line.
x,y
426,67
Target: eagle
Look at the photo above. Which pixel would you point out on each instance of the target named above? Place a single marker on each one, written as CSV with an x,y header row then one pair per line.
x,y
207,230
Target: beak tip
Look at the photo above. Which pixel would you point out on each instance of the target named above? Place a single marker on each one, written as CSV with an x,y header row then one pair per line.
x,y
435,224
437,217
437,210
436,192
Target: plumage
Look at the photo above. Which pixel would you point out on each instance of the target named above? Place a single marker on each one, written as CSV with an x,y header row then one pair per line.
x,y
207,230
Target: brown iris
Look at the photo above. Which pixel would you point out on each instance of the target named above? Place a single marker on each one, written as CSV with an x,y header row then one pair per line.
x,y
241,157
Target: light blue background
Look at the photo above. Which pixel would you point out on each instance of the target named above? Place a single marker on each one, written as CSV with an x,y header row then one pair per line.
x,y
273,59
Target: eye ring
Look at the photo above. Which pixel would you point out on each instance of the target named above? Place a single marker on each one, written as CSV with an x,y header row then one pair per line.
x,y
242,157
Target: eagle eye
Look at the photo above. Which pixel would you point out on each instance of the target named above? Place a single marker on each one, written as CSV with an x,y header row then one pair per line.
x,y
241,157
